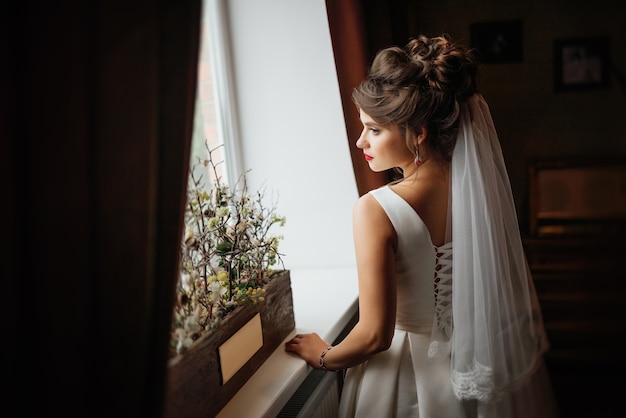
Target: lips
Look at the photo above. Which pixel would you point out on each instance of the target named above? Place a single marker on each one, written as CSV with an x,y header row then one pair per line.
x,y
368,157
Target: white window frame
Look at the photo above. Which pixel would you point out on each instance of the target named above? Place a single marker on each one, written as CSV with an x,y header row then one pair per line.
x,y
215,25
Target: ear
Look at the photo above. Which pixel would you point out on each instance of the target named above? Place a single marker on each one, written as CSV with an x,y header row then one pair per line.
x,y
422,134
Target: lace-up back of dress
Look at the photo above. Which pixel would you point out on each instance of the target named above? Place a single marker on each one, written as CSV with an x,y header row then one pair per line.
x,y
443,289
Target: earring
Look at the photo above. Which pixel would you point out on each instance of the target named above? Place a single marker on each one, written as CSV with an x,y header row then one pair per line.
x,y
417,160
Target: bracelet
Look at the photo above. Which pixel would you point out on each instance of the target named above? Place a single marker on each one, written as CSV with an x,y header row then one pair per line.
x,y
322,365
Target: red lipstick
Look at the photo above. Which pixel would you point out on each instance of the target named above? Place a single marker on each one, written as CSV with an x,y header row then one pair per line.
x,y
368,157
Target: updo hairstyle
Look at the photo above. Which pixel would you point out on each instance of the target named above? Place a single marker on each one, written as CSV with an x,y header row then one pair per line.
x,y
422,84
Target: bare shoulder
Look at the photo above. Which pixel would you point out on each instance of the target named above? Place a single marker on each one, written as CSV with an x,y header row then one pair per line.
x,y
368,208
369,218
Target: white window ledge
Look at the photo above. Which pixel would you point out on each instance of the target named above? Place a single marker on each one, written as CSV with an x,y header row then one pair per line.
x,y
324,301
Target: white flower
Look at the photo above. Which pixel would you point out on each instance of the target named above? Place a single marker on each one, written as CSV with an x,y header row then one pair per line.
x,y
183,341
186,281
217,290
192,325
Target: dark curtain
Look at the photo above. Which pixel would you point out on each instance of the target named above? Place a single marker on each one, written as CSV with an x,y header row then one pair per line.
x,y
96,119
352,58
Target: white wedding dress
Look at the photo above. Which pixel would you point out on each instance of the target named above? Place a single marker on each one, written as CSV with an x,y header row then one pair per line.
x,y
404,381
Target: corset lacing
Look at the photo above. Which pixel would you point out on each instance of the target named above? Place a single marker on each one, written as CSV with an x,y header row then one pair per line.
x,y
443,289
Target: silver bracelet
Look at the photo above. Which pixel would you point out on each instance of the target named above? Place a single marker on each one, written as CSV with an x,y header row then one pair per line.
x,y
322,365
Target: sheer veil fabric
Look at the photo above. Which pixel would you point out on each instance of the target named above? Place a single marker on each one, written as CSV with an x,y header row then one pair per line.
x,y
498,338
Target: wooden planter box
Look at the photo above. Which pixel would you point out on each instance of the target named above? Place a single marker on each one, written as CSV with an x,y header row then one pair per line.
x,y
202,381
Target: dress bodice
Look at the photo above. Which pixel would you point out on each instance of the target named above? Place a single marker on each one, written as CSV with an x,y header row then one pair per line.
x,y
423,270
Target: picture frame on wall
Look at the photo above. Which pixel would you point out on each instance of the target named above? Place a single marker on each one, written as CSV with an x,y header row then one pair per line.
x,y
581,64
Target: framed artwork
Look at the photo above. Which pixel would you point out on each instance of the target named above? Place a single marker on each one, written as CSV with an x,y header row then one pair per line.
x,y
498,42
581,64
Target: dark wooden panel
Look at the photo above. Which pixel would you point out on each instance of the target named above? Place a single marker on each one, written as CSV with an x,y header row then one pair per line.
x,y
581,288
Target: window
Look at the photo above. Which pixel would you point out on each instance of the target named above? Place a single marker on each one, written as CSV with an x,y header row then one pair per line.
x,y
215,121
286,129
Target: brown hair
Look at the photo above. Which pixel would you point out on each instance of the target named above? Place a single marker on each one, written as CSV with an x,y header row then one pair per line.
x,y
422,84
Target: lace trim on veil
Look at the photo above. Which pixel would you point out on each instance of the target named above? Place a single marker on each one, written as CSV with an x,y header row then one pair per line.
x,y
474,384
478,383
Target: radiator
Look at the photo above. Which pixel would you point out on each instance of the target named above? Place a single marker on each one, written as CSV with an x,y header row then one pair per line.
x,y
317,397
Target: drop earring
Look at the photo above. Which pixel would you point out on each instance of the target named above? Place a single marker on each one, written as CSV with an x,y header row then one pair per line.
x,y
417,160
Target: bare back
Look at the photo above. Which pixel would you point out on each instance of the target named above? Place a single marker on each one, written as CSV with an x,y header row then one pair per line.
x,y
427,193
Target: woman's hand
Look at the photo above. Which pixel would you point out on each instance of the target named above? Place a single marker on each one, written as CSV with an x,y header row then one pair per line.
x,y
308,346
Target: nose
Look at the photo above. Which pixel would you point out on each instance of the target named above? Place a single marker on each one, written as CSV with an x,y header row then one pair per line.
x,y
361,143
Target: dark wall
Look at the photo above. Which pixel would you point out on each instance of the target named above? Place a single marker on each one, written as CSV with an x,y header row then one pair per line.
x,y
532,119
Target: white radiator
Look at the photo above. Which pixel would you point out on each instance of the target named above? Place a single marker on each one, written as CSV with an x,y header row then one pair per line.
x,y
317,397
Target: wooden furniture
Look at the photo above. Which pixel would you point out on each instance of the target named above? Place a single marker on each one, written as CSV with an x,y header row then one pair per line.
x,y
576,251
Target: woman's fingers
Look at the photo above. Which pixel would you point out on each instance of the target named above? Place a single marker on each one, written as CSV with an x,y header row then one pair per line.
x,y
307,346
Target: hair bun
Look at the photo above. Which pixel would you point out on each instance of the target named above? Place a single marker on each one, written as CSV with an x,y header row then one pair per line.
x,y
445,66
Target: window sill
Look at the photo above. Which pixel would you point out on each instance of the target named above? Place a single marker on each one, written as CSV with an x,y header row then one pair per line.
x,y
324,301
